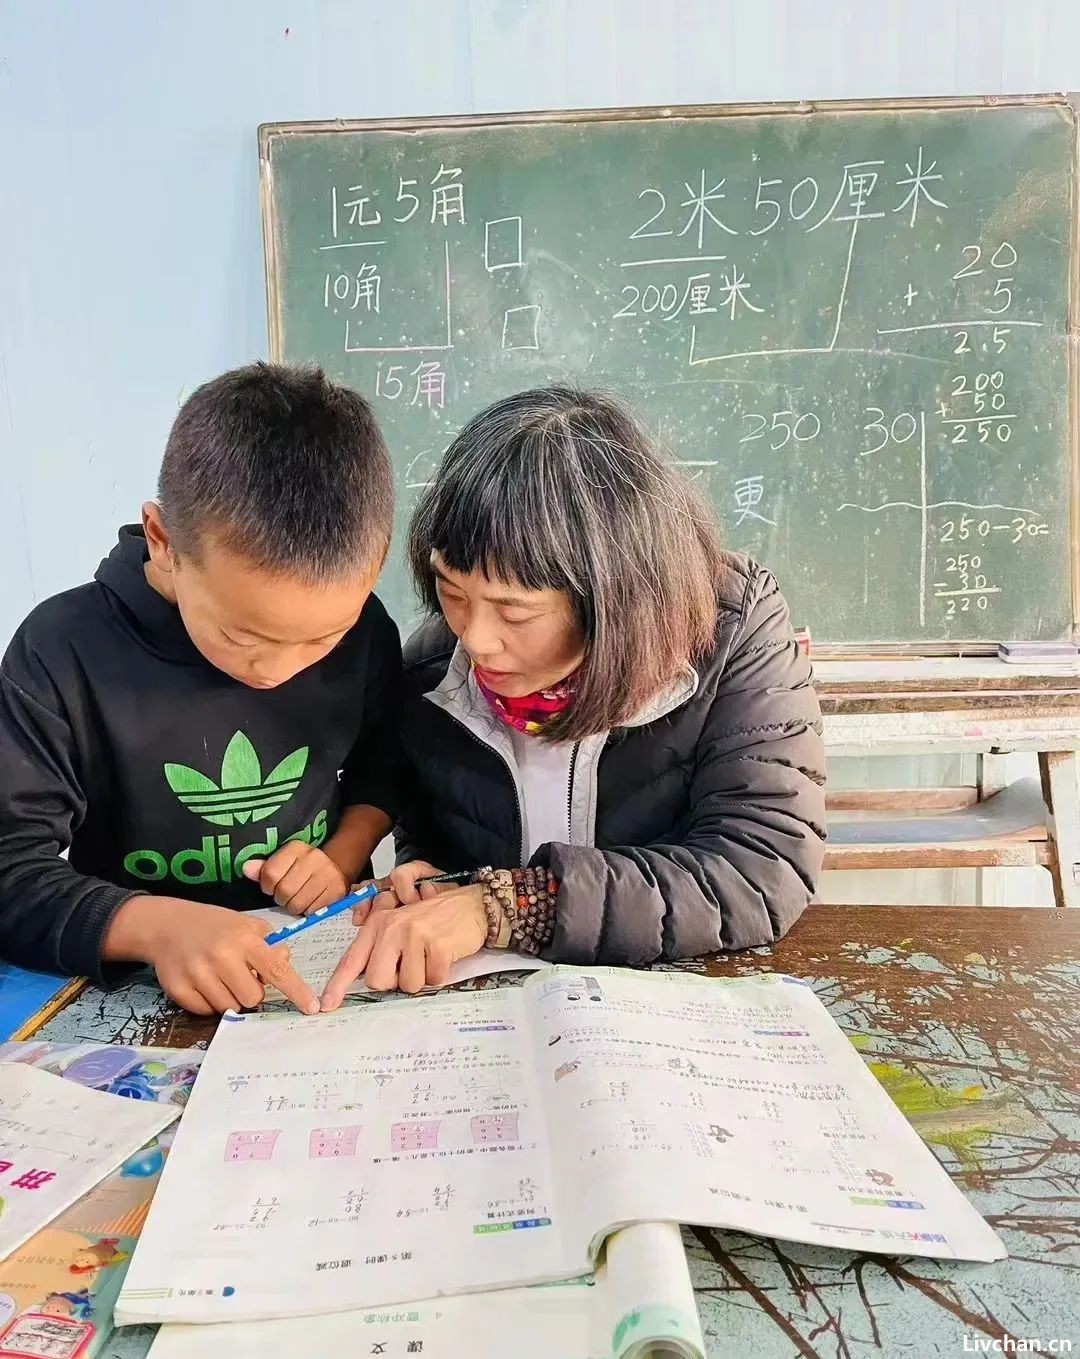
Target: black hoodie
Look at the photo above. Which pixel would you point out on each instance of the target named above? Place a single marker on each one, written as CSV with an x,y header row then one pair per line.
x,y
120,742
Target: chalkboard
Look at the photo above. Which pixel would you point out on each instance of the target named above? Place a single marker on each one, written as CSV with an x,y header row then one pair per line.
x,y
849,323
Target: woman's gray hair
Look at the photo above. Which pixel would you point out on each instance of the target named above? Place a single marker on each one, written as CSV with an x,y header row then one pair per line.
x,y
561,489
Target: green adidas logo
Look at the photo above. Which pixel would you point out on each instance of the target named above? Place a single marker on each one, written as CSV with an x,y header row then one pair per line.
x,y
242,794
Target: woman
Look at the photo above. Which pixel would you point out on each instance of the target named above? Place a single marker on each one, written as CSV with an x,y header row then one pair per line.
x,y
604,705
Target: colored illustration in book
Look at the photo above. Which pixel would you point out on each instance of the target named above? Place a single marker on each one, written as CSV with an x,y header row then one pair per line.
x,y
588,988
101,1255
48,1335
114,1069
76,1305
146,1162
574,988
879,1177
65,1277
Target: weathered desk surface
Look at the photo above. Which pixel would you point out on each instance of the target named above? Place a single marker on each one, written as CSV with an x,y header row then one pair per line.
x,y
971,1019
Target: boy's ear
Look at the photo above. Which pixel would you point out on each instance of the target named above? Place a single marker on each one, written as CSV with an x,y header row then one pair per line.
x,y
375,570
157,536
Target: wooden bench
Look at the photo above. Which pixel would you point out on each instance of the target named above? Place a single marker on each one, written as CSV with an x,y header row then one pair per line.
x,y
981,707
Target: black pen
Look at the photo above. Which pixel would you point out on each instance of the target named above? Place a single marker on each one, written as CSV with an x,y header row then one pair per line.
x,y
465,876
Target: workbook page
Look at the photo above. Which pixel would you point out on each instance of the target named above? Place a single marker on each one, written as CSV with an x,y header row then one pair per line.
x,y
376,1155
316,952
57,1140
734,1104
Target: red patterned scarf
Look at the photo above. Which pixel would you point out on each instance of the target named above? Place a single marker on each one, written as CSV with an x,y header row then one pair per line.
x,y
532,712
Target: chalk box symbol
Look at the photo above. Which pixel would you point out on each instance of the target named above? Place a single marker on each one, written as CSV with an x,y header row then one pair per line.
x,y
502,244
521,327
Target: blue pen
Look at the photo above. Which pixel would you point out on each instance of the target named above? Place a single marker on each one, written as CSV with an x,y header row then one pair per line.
x,y
305,922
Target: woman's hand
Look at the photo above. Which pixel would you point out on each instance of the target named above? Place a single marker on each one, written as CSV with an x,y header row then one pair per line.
x,y
403,887
412,947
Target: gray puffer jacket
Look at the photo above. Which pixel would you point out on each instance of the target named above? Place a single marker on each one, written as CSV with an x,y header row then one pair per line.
x,y
698,827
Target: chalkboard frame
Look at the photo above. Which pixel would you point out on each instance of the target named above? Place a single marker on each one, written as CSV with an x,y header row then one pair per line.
x,y
274,132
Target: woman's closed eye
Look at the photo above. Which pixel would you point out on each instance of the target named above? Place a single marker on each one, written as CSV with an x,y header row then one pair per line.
x,y
518,620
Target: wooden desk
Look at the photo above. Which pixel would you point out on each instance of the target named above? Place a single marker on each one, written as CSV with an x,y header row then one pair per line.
x,y
982,707
971,1018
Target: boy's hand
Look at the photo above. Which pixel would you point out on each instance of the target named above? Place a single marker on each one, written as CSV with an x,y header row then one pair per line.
x,y
299,877
207,959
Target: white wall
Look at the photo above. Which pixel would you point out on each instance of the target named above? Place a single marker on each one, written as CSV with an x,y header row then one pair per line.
x,y
130,256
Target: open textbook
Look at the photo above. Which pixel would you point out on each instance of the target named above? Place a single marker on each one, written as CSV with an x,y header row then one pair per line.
x,y
638,1305
382,1154
316,952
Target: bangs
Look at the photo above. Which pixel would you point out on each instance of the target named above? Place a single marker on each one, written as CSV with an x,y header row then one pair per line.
x,y
503,516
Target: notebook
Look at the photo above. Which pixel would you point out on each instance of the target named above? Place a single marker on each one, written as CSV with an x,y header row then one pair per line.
x,y
497,1138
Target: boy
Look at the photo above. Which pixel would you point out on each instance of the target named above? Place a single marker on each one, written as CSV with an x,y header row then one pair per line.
x,y
180,723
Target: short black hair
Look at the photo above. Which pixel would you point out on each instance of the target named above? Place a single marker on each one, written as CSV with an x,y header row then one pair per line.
x,y
563,489
289,469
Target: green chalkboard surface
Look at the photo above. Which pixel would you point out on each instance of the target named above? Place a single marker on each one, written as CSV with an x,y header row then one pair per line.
x,y
851,324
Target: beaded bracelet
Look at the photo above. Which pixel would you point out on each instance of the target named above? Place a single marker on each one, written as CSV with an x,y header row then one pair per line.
x,y
520,907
